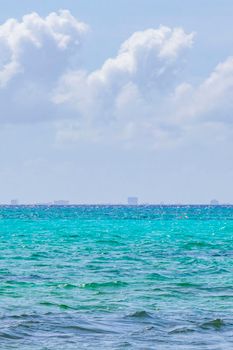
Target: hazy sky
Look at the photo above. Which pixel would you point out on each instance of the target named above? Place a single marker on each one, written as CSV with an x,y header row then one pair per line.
x,y
103,99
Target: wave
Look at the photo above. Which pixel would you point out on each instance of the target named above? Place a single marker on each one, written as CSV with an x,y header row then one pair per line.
x,y
9,336
217,323
140,314
181,330
61,306
96,285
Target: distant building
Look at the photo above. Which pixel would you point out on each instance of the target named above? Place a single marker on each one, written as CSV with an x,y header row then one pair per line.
x,y
61,202
214,202
14,202
132,200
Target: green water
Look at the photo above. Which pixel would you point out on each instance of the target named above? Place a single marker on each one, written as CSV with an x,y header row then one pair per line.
x,y
116,278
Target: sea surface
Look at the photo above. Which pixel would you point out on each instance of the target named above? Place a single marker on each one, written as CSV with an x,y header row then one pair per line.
x,y
116,277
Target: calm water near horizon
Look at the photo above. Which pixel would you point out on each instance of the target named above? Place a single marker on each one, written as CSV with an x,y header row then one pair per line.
x,y
116,277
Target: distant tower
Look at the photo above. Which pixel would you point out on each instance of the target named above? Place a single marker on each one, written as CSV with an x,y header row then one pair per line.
x,y
14,202
132,200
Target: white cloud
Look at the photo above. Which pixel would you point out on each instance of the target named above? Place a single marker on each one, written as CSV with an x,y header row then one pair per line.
x,y
126,96
147,59
34,34
137,97
211,100
35,52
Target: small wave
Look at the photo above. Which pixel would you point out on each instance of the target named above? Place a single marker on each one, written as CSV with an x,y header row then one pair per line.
x,y
110,242
188,285
9,336
198,244
67,286
61,306
181,330
157,277
96,285
38,255
88,329
23,316
140,314
217,323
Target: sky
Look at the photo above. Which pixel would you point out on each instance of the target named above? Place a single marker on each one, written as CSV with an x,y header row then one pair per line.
x,y
101,100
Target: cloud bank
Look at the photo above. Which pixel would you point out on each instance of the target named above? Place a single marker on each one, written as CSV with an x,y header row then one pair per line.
x,y
137,97
127,95
34,53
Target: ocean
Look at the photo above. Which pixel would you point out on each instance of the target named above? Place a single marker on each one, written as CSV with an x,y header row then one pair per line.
x,y
116,277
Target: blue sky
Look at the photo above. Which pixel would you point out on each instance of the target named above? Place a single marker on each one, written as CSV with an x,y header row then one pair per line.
x,y
99,102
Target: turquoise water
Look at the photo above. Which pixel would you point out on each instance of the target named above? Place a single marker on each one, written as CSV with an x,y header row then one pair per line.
x,y
116,278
